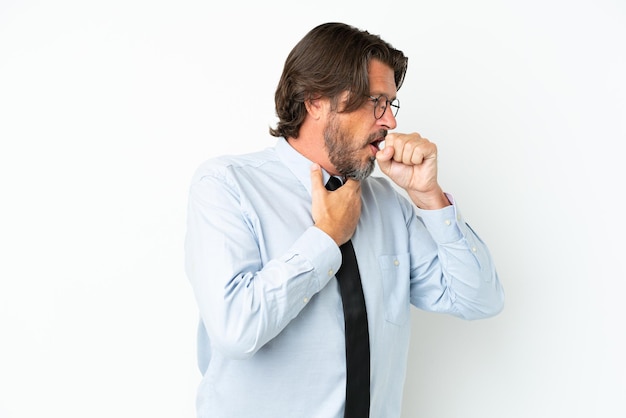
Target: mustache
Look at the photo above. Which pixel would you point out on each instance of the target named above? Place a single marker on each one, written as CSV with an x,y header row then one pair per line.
x,y
380,134
376,136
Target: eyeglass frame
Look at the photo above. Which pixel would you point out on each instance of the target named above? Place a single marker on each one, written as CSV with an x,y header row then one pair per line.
x,y
395,103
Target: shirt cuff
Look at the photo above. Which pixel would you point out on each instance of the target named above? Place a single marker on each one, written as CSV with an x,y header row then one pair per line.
x,y
322,253
443,224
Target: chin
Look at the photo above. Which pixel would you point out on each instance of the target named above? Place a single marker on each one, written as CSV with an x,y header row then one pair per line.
x,y
362,173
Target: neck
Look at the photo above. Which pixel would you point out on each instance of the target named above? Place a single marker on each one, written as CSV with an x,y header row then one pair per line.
x,y
314,151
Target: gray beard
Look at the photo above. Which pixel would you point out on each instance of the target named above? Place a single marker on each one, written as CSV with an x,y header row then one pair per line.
x,y
341,155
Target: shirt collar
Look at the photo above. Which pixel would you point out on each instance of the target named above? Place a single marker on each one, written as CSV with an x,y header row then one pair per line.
x,y
297,163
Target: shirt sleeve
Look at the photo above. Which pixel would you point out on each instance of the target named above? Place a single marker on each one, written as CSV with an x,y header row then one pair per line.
x,y
453,269
244,300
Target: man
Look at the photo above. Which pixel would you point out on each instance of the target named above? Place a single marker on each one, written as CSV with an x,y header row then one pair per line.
x,y
266,239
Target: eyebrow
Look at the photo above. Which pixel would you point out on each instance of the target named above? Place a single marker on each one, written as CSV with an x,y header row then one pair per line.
x,y
391,98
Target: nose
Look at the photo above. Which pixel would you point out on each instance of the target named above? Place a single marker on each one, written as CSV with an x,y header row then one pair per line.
x,y
388,120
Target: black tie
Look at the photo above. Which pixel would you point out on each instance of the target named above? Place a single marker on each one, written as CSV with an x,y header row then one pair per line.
x,y
357,335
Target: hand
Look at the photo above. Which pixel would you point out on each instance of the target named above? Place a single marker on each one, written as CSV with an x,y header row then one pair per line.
x,y
411,162
337,212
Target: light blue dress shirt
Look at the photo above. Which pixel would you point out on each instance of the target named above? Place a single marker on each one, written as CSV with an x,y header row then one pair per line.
x,y
271,335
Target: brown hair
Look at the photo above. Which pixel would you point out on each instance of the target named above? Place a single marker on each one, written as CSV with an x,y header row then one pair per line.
x,y
331,59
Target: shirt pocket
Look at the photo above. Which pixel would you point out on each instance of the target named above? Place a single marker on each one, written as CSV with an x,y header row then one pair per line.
x,y
396,287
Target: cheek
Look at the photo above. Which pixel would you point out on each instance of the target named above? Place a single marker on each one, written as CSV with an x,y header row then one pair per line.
x,y
357,127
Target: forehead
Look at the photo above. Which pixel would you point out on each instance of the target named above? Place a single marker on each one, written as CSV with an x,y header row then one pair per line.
x,y
381,79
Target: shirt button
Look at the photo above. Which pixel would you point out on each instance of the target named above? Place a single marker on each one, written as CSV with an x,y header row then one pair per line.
x,y
474,249
305,300
396,263
448,222
331,273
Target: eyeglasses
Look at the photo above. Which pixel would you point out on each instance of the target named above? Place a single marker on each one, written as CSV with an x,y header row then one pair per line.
x,y
381,103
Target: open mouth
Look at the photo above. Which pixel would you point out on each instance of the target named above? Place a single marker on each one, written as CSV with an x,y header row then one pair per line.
x,y
376,145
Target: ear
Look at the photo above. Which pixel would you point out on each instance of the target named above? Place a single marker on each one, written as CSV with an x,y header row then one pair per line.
x,y
316,107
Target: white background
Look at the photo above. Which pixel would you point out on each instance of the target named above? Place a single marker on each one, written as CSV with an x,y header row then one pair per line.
x,y
107,108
